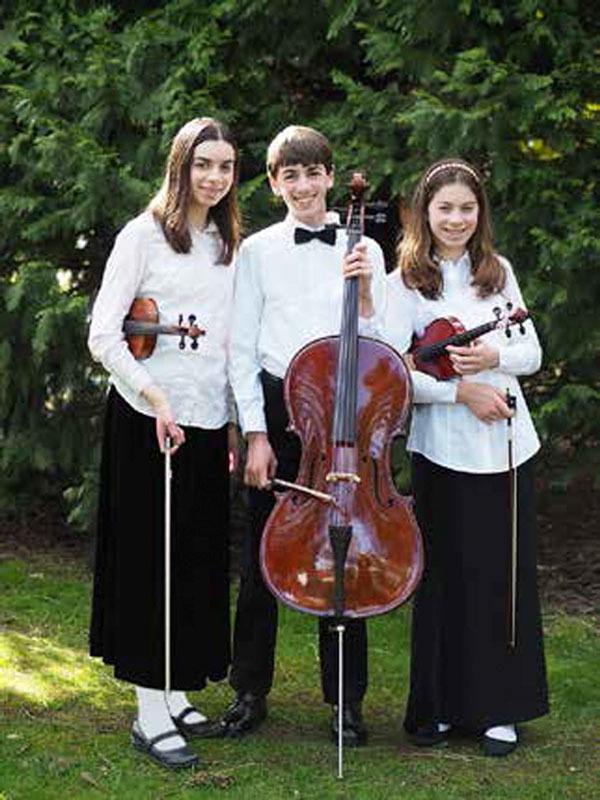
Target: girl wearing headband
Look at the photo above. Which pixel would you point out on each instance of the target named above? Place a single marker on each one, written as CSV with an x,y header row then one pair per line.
x,y
464,672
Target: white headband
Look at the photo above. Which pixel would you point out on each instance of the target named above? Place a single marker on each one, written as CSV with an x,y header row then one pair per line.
x,y
452,165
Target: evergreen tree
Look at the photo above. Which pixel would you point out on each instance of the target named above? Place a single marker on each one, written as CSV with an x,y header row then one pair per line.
x,y
93,92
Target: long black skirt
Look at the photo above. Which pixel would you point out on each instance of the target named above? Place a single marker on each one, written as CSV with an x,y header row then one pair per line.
x,y
127,626
462,669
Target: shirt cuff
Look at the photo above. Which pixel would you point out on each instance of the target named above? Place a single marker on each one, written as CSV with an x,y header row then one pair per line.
x,y
429,390
517,360
254,421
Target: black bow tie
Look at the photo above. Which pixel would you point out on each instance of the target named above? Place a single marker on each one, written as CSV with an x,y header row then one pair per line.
x,y
303,235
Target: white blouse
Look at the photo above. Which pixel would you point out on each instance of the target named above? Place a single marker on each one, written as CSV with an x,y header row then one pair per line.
x,y
286,295
142,264
444,431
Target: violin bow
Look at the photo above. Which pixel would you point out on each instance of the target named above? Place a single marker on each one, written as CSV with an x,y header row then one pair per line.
x,y
511,401
167,566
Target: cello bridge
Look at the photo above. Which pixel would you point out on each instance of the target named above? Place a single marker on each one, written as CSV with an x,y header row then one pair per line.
x,y
349,477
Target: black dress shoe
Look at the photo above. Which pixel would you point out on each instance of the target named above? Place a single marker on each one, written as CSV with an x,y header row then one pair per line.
x,y
354,730
192,729
244,715
497,747
179,758
428,736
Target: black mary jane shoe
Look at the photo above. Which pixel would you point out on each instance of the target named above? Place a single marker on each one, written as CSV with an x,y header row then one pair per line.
x,y
428,736
179,758
243,716
354,730
192,729
497,748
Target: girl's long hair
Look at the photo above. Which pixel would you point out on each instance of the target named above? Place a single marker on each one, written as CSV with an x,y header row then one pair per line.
x,y
417,260
171,203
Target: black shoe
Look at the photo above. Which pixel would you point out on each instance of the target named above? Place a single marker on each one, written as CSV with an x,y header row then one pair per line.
x,y
354,730
497,747
192,729
244,715
428,736
179,758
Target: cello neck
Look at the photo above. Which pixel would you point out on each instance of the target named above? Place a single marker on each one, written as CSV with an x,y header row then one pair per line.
x,y
346,386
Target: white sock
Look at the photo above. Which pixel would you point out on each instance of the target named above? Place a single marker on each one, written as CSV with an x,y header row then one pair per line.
x,y
443,727
177,702
154,717
505,733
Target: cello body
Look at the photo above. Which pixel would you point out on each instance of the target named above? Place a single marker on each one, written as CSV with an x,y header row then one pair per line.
x,y
384,559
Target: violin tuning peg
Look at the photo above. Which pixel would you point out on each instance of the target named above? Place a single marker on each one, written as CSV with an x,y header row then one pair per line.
x,y
521,329
191,319
508,332
509,306
181,319
182,342
497,312
194,344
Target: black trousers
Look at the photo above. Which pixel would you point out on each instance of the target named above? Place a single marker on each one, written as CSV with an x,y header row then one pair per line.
x,y
255,629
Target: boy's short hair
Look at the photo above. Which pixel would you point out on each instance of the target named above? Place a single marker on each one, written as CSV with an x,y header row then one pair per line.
x,y
297,144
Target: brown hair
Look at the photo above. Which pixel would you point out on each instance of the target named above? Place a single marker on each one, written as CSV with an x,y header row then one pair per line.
x,y
297,144
416,257
171,203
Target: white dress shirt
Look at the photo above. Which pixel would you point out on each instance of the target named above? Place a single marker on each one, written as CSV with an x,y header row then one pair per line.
x,y
444,431
286,295
143,264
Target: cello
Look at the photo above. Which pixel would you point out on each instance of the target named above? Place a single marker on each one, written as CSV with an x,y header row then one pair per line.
x,y
342,542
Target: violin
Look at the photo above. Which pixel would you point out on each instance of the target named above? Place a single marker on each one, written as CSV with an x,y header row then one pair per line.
x,y
141,327
341,541
429,350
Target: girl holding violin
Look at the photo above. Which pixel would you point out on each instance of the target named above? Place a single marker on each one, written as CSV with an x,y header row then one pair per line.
x,y
179,252
466,673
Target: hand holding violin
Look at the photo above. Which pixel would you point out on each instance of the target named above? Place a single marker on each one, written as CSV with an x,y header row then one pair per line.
x,y
165,422
356,264
473,358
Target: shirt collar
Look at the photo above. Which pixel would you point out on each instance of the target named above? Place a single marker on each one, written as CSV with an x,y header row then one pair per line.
x,y
331,218
461,261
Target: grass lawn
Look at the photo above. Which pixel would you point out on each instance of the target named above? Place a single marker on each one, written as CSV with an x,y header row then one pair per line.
x,y
64,720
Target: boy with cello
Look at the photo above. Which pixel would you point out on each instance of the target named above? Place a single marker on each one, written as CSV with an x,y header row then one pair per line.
x,y
289,291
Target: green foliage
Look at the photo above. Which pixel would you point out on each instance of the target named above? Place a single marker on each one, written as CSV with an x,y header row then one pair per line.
x,y
92,93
